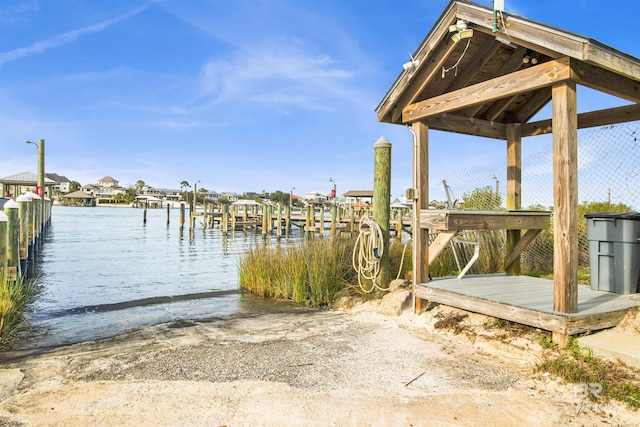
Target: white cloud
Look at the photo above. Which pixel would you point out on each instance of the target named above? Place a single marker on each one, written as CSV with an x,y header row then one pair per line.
x,y
279,75
65,38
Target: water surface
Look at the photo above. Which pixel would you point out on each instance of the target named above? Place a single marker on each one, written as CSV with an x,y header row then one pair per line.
x,y
102,271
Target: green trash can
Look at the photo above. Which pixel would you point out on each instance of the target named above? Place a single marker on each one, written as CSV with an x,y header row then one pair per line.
x,y
614,251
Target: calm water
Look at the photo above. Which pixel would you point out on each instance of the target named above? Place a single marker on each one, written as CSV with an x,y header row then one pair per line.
x,y
102,271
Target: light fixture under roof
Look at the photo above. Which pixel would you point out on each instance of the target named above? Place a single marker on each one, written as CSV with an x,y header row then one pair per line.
x,y
460,31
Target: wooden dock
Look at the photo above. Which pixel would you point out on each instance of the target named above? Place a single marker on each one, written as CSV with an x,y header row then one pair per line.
x,y
528,300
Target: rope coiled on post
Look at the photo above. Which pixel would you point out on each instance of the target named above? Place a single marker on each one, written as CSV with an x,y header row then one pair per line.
x,y
367,253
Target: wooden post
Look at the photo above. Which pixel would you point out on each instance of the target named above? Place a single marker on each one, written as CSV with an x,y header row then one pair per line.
x,y
352,219
514,188
13,240
420,235
321,219
37,219
399,224
181,216
3,246
382,203
168,213
287,219
23,202
334,213
565,197
30,227
279,221
144,211
233,217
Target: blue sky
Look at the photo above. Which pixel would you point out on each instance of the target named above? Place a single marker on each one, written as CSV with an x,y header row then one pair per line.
x,y
243,95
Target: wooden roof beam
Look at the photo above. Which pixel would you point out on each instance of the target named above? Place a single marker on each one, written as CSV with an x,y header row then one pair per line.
x,y
473,67
535,104
605,81
432,67
610,116
466,125
532,78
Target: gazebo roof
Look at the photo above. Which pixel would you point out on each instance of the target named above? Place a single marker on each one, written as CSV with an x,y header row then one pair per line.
x,y
25,178
79,194
477,85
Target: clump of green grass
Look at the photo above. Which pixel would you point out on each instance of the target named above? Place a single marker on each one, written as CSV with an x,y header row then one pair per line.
x,y
316,271
578,365
14,295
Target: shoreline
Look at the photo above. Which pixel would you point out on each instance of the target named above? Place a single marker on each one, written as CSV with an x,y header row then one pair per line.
x,y
352,366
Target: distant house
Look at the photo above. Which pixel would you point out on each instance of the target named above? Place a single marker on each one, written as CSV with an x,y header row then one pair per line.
x,y
78,198
232,197
106,188
62,183
358,197
317,197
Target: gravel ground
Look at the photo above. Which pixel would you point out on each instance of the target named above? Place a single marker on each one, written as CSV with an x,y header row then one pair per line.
x,y
305,368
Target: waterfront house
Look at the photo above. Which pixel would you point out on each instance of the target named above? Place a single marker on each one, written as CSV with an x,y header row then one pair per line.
x,y
78,198
317,197
358,198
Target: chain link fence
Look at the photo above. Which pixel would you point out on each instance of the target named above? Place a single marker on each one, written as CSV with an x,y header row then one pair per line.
x,y
608,181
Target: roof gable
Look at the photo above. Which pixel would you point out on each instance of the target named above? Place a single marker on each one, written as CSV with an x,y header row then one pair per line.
x,y
444,66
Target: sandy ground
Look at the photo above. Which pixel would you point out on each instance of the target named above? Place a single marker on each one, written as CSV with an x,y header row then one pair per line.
x,y
308,368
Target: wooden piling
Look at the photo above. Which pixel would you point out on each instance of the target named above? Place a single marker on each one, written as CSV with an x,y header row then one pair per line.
x,y
287,220
321,219
382,203
23,202
168,213
3,245
279,221
181,216
334,212
352,219
13,240
144,212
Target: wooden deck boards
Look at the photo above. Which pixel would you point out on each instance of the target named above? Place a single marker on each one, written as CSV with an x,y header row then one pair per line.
x,y
528,300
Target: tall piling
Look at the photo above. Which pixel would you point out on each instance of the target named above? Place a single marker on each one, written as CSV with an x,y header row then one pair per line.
x,y
23,208
382,203
181,216
13,240
334,212
168,213
3,245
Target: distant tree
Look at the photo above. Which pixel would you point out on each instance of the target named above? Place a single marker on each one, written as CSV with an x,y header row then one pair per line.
x,y
224,201
484,198
74,186
184,186
130,194
589,207
140,185
280,197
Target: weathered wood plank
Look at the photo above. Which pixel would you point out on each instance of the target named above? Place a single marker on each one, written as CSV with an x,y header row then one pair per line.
x,y
421,236
565,197
483,220
466,125
514,251
439,244
514,196
609,116
605,81
532,78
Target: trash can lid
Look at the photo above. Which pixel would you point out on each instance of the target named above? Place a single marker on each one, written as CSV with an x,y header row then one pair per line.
x,y
631,215
603,215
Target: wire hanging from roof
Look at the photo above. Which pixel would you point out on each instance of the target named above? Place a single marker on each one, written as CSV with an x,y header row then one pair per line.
x,y
455,66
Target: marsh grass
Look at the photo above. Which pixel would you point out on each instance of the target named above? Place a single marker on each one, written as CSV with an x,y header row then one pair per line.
x,y
578,365
315,271
14,295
